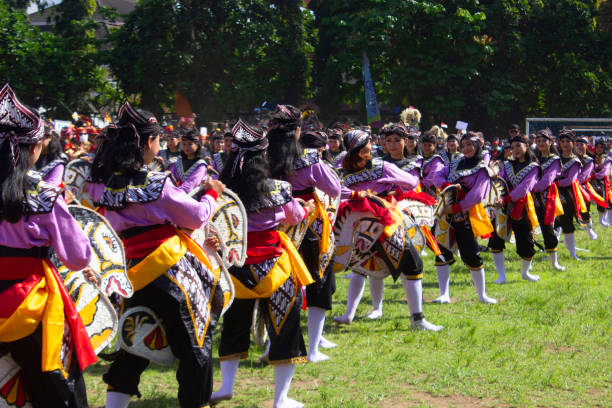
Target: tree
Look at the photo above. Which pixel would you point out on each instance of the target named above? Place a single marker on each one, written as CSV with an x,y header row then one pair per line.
x,y
225,57
59,71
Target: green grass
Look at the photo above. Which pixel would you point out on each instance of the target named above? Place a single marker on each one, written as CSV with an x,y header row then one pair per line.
x,y
546,344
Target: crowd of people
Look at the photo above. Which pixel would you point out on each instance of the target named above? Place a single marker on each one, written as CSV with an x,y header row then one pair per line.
x,y
278,168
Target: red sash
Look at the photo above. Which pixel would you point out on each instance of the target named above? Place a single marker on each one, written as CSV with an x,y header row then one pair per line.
x,y
263,245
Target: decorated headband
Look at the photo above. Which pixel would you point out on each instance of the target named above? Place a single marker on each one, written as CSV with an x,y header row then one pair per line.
x,y
354,140
246,139
18,122
545,133
145,126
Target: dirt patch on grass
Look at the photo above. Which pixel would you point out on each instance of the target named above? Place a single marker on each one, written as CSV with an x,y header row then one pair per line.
x,y
459,401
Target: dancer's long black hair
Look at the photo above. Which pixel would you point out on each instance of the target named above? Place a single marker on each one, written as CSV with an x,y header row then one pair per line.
x,y
121,151
13,181
54,151
282,152
249,181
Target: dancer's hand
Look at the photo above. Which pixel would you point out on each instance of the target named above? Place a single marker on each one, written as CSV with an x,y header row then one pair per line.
x,y
309,206
212,242
499,203
69,196
458,186
90,275
216,185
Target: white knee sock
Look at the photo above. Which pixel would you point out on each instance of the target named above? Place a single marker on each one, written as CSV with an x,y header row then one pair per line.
x,y
603,218
229,368
591,231
478,277
316,321
609,215
555,262
355,292
525,267
414,294
377,287
282,382
117,399
570,243
443,272
414,297
500,266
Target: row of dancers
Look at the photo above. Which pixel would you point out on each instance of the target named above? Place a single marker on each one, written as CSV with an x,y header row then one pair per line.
x,y
269,169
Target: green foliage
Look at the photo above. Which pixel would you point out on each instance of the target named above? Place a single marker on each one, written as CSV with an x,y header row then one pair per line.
x,y
488,62
59,70
226,56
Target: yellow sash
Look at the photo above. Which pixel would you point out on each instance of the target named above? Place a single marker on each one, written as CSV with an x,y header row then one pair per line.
x,y
327,228
289,262
531,214
481,224
558,205
44,305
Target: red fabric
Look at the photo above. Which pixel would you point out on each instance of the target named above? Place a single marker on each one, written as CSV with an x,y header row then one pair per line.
x,y
593,196
413,195
262,245
14,268
366,205
82,345
549,210
507,199
576,191
585,193
446,184
141,245
518,208
212,193
456,208
607,189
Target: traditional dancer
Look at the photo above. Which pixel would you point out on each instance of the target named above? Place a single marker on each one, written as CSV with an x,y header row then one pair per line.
x,y
274,271
39,324
173,140
583,179
546,193
452,149
171,274
432,164
362,173
569,191
189,169
219,159
601,182
467,217
336,152
52,161
521,173
301,167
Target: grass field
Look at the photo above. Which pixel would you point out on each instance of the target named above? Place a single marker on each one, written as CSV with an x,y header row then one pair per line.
x,y
546,344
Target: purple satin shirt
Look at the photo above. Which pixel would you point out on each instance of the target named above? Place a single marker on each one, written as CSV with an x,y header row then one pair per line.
x,y
603,171
318,175
392,178
524,187
173,206
55,176
475,185
430,170
195,178
290,213
548,177
585,172
56,229
570,175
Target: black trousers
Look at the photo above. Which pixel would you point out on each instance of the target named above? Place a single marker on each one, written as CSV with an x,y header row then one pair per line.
x,y
548,231
47,389
194,378
523,234
286,347
566,220
319,293
599,186
409,260
467,243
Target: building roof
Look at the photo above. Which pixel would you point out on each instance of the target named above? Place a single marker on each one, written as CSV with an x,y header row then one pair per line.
x,y
44,19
